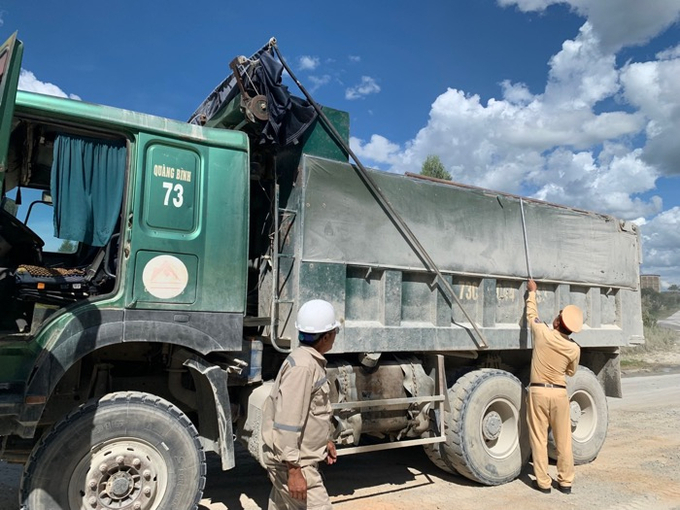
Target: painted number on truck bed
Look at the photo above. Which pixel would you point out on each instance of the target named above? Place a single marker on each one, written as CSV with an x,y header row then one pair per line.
x,y
470,292
505,293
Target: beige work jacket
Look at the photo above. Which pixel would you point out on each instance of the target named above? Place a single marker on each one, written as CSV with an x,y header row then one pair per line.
x,y
297,414
554,354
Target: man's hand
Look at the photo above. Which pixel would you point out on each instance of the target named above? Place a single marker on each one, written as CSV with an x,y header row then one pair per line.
x,y
332,456
297,485
531,285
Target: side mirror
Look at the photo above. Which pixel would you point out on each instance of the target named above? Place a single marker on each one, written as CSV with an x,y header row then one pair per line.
x,y
47,197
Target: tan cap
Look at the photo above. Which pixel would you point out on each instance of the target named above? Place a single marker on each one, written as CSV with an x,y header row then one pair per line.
x,y
572,318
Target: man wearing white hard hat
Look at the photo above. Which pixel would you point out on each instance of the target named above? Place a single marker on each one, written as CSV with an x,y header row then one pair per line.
x,y
554,356
296,428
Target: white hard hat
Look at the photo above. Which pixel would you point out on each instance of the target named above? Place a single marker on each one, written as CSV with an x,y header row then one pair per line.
x,y
316,316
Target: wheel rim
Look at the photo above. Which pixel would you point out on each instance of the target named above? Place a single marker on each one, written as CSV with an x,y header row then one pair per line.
x,y
499,428
125,473
583,415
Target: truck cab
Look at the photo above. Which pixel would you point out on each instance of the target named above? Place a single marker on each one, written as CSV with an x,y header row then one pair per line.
x,y
112,271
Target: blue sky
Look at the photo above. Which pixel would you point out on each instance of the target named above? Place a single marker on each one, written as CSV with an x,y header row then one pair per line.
x,y
575,102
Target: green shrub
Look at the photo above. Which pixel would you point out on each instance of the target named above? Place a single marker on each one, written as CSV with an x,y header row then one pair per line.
x,y
655,306
657,339
658,305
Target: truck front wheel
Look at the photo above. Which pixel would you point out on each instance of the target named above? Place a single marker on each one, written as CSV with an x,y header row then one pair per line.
x,y
484,440
124,450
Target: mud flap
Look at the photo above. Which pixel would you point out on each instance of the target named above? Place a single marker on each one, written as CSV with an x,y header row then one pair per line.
x,y
217,378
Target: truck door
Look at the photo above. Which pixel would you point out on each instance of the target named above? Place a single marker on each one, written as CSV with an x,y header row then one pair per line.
x,y
188,229
10,66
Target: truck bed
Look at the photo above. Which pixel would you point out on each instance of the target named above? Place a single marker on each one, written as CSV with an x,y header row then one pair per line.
x,y
346,249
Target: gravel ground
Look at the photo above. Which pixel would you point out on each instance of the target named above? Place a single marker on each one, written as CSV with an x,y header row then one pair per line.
x,y
638,468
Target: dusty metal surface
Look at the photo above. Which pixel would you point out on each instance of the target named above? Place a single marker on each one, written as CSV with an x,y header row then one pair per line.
x,y
343,247
468,231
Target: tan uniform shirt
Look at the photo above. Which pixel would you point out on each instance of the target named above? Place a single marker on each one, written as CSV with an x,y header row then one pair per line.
x,y
554,354
297,414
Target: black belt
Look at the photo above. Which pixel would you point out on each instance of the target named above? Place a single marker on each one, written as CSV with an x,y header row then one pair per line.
x,y
547,385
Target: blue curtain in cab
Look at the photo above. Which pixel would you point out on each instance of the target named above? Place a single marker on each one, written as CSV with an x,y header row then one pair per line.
x,y
87,188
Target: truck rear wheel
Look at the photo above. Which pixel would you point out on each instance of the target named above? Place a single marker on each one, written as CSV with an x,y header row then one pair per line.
x,y
589,416
124,450
484,440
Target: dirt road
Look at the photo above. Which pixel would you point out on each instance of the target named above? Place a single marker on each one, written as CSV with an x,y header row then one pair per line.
x,y
638,469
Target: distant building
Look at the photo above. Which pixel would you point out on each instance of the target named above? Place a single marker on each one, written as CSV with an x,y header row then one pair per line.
x,y
650,281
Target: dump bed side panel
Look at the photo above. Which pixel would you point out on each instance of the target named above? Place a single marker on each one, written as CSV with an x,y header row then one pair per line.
x,y
347,250
464,230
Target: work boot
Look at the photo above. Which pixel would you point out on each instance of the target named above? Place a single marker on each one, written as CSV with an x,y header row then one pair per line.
x,y
539,488
564,489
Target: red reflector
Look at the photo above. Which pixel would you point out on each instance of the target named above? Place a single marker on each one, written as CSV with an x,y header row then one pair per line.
x,y
35,399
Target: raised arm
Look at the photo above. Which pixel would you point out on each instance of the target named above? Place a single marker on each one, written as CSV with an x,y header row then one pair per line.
x,y
532,309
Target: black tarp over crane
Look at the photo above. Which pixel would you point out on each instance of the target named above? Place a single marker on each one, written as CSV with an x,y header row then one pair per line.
x,y
280,117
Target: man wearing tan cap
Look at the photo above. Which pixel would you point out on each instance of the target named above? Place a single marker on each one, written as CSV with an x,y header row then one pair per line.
x,y
554,356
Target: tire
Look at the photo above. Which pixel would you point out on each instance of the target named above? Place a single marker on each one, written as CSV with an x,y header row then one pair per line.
x,y
434,451
589,417
485,441
124,450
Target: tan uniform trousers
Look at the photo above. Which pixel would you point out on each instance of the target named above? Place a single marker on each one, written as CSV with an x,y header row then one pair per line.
x,y
280,498
549,407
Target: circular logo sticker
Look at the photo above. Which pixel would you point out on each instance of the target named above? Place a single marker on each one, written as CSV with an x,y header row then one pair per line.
x,y
165,276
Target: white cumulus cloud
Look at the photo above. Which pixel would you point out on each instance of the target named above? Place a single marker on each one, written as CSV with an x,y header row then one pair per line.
x,y
367,86
557,144
619,22
598,136
378,148
318,81
308,63
669,54
29,83
653,87
660,242
581,74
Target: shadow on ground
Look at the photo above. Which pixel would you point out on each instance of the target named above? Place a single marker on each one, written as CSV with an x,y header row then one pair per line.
x,y
353,478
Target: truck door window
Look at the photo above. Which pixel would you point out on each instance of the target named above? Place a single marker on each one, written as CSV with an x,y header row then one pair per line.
x,y
38,214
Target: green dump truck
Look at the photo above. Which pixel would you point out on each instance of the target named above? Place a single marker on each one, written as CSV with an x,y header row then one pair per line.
x,y
151,270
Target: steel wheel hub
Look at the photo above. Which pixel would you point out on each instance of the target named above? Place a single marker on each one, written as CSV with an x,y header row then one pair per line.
x,y
498,428
121,484
122,476
574,413
583,415
492,426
